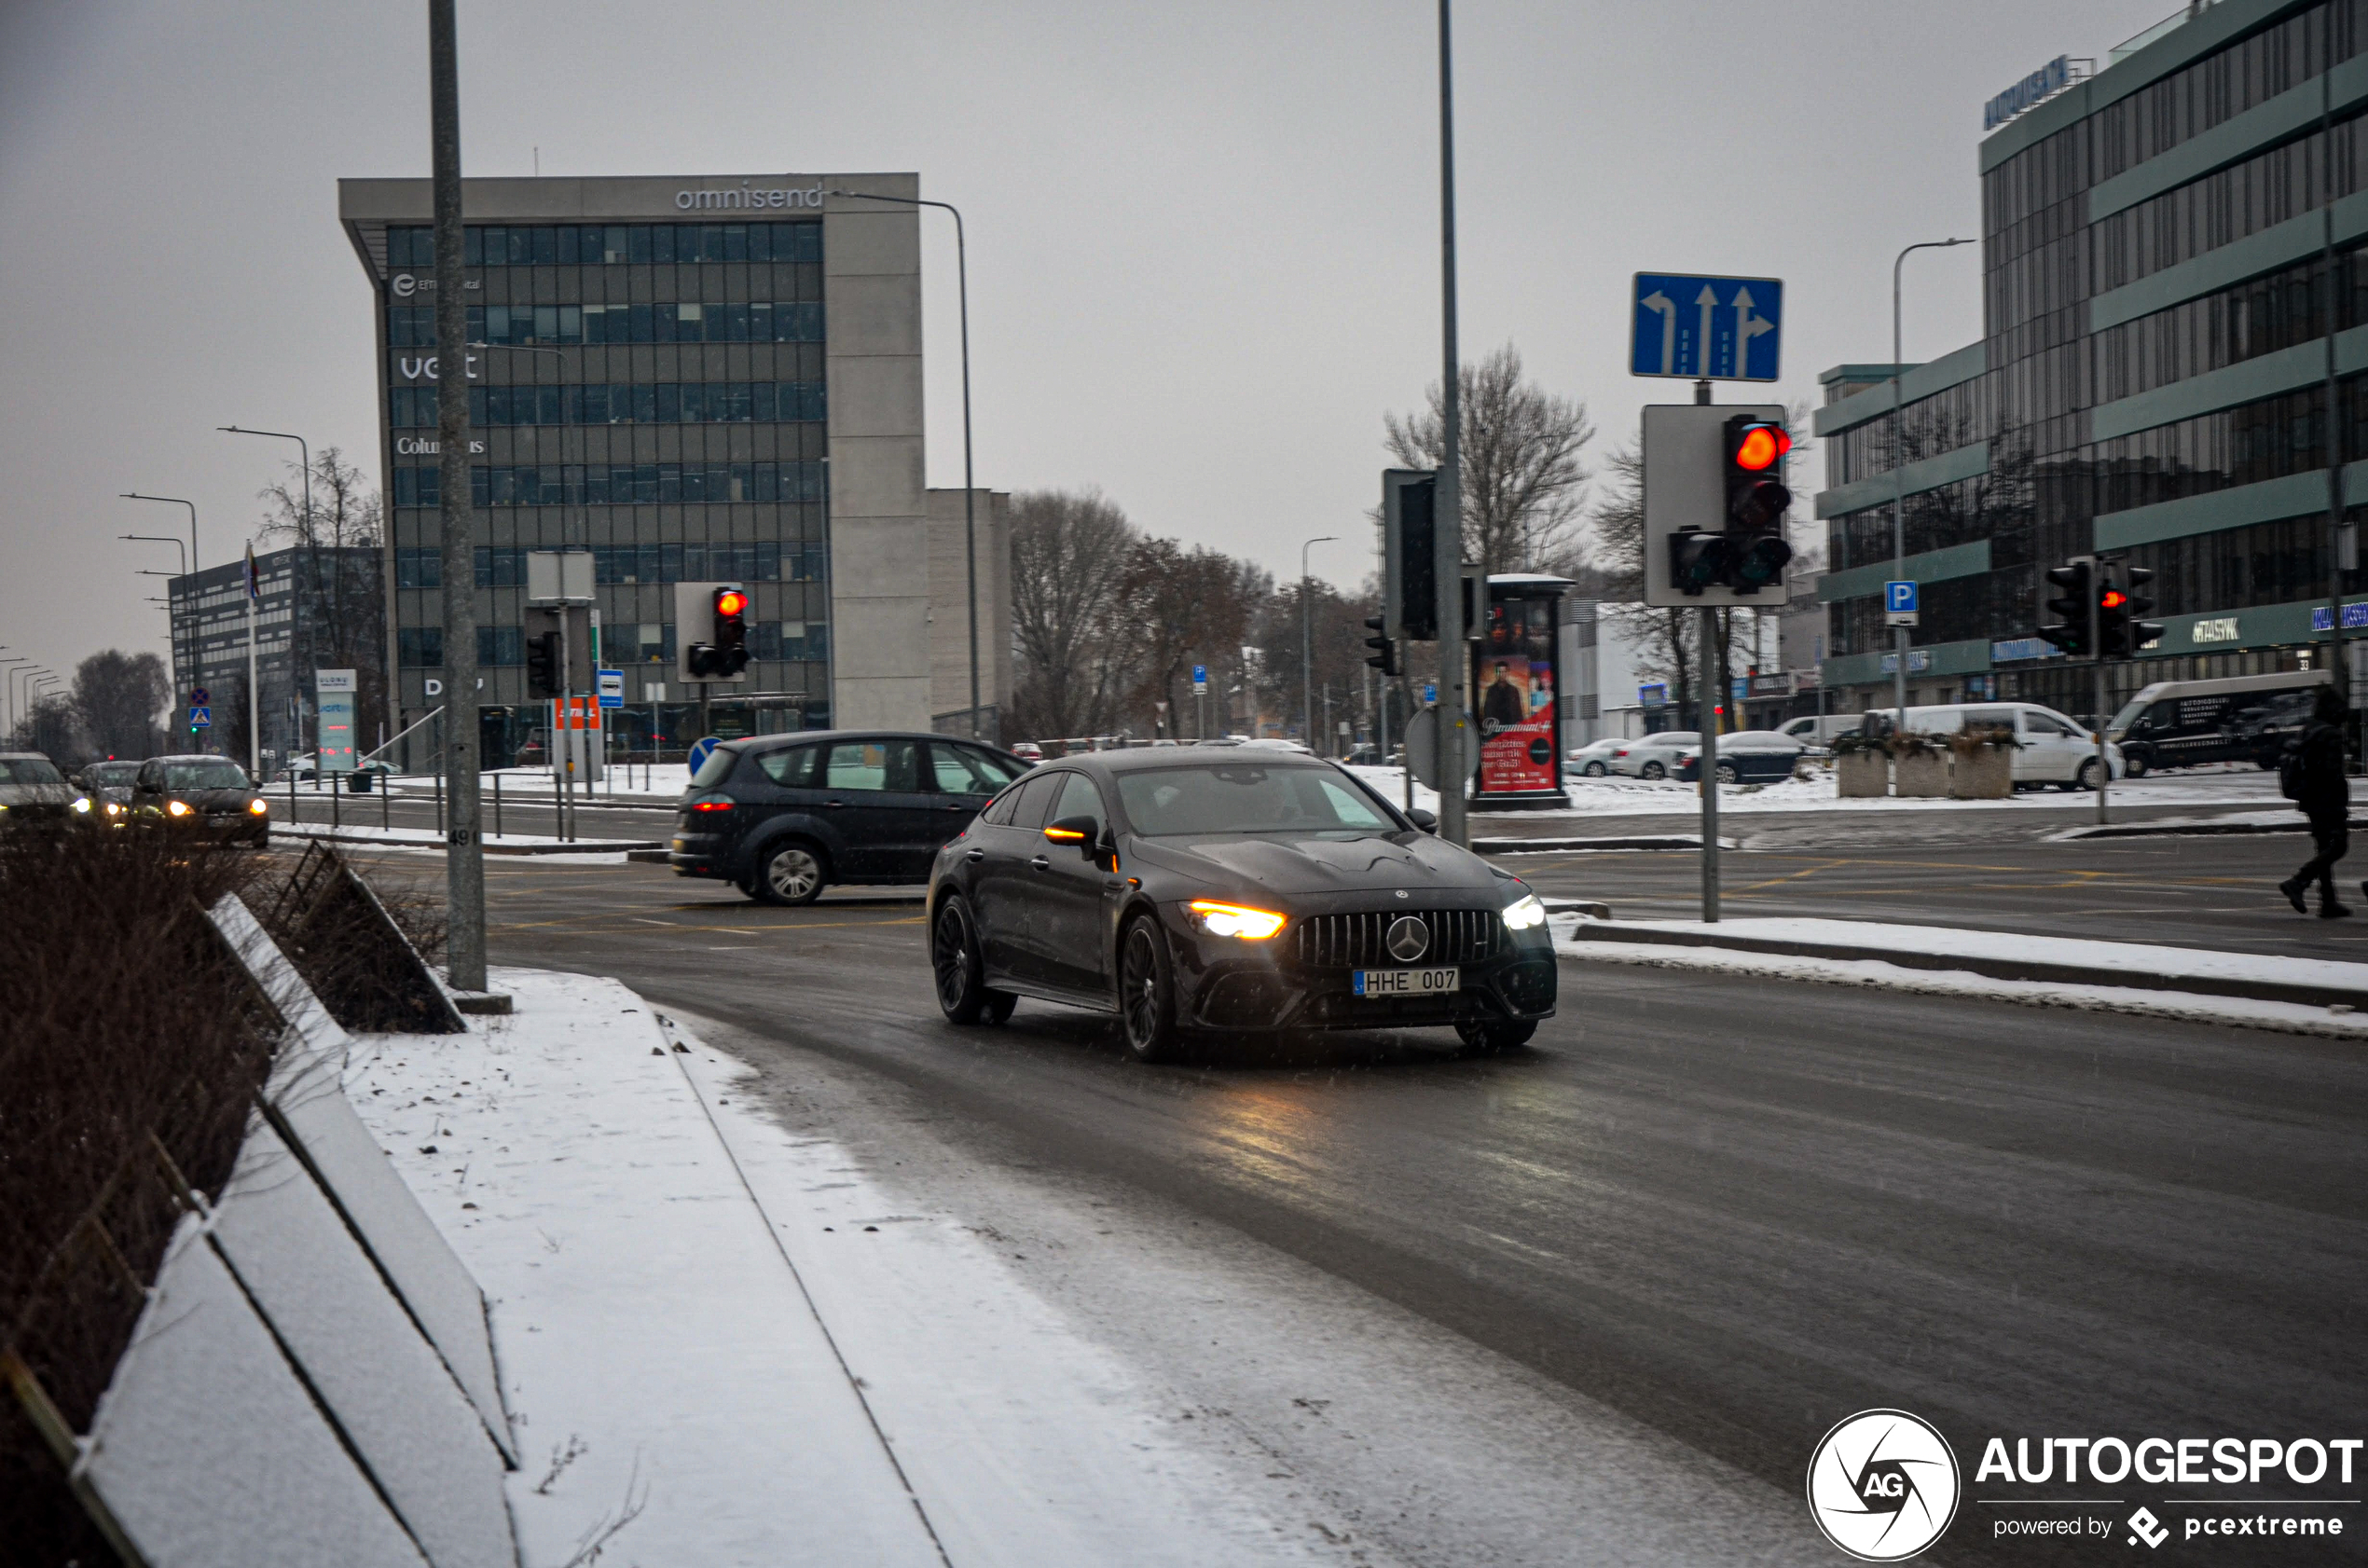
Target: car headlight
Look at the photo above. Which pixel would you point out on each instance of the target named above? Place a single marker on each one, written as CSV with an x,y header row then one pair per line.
x,y
176,809
115,808
82,804
1523,913
256,807
1236,920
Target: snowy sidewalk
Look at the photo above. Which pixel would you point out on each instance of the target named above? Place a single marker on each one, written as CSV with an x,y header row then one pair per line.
x,y
731,1344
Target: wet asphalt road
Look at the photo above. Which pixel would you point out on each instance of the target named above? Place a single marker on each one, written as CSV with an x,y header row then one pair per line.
x,y
1737,1210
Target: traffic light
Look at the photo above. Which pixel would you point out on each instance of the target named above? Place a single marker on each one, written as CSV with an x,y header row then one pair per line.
x,y
1756,501
1385,655
2073,607
1697,560
731,631
542,665
2121,628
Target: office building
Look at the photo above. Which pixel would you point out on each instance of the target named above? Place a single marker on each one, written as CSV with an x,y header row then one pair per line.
x,y
2151,380
316,609
694,379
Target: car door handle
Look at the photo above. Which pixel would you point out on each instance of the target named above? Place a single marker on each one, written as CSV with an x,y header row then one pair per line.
x,y
958,805
974,855
1040,864
834,802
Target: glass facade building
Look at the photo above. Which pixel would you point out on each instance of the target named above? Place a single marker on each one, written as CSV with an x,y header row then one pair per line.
x,y
2151,380
655,373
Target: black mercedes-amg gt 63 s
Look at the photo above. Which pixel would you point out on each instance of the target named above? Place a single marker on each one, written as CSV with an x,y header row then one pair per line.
x,y
1224,890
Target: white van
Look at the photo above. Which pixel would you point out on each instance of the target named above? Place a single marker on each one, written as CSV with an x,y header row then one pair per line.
x,y
1820,729
2054,749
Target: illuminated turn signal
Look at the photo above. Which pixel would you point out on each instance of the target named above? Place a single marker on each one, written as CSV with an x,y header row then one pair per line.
x,y
1065,835
1236,920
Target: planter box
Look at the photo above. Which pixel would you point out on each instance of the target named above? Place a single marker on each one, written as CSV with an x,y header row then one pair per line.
x,y
1982,773
1922,774
1862,773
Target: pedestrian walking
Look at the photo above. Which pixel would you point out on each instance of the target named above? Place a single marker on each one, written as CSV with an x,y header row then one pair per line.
x,y
2311,774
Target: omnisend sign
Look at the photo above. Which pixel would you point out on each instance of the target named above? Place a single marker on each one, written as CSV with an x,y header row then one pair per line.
x,y
2046,82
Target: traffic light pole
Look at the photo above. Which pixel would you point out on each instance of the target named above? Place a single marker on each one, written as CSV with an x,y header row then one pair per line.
x,y
1707,774
563,732
1447,550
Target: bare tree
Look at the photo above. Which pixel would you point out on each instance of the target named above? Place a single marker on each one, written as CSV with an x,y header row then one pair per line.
x,y
1522,478
118,698
1179,603
1069,557
341,608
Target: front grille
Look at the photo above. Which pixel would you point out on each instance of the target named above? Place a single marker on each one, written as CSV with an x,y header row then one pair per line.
x,y
1458,936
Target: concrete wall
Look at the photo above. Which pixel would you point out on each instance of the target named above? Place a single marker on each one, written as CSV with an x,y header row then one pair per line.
x,y
949,611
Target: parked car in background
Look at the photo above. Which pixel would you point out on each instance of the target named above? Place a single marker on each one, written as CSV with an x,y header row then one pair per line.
x,y
1592,759
108,785
785,816
1820,729
306,770
35,796
203,796
1652,756
2242,719
2050,748
1748,757
1027,752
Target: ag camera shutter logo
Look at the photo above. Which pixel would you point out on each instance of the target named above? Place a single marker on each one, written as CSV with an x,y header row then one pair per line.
x,y
1883,1485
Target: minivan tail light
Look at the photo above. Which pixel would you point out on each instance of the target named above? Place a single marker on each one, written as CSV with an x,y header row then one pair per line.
x,y
720,803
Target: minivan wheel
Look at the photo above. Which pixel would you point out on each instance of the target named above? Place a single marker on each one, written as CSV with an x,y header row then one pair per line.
x,y
1147,992
789,874
2086,777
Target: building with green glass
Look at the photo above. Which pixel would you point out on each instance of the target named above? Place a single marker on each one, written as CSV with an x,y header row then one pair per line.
x,y
2151,378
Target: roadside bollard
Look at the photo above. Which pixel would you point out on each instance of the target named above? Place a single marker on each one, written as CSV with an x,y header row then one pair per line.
x,y
497,804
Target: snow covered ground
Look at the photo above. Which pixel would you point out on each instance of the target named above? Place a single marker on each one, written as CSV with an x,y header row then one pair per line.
x,y
729,1335
2284,1017
2246,786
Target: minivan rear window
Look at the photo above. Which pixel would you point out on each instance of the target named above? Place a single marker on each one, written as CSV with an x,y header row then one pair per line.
x,y
715,770
791,767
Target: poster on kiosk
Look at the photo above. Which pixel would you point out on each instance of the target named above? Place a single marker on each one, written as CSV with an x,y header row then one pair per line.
x,y
1513,693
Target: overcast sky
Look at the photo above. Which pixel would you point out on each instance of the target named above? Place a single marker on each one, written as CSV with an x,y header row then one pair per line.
x,y
1204,237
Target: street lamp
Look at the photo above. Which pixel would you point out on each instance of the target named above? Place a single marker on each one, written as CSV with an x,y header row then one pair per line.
x,y
30,668
1307,641
301,447
1899,474
11,675
175,501
172,623
970,498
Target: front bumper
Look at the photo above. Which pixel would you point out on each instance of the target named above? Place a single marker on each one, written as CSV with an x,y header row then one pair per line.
x,y
1290,981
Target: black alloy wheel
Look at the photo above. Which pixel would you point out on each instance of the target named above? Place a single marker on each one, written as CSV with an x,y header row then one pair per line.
x,y
1494,1035
1147,992
789,874
953,956
2133,764
1652,770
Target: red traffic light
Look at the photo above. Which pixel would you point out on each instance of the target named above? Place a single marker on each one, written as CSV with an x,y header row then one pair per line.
x,y
730,601
1761,447
2113,599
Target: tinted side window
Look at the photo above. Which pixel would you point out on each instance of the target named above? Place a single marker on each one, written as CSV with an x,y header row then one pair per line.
x,y
791,768
998,811
999,771
1035,804
968,770
1079,798
874,764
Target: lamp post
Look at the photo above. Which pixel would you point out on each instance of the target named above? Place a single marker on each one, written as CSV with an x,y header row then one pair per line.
x,y
970,490
175,501
1307,643
10,714
1899,474
307,459
171,625
25,700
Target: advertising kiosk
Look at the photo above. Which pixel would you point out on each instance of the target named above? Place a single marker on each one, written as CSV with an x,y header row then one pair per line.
x,y
1513,694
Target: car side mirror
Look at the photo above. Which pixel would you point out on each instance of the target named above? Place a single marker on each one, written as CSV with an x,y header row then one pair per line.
x,y
1422,819
1084,832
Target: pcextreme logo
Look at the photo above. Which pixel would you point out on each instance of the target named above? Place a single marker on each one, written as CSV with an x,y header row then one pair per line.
x,y
1883,1485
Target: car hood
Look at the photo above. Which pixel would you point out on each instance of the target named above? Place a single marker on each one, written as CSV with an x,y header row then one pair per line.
x,y
36,794
214,799
1282,865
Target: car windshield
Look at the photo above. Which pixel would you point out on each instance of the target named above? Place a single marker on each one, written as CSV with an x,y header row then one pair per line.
x,y
111,776
2127,716
215,772
1249,798
28,770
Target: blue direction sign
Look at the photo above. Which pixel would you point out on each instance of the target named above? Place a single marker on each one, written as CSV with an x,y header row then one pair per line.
x,y
200,718
1718,329
699,748
1200,680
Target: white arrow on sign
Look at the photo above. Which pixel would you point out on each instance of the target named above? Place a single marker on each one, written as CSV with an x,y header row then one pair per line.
x,y
1668,309
1708,300
1747,326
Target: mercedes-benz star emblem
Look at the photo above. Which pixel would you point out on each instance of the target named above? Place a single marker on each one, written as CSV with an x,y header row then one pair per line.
x,y
1409,938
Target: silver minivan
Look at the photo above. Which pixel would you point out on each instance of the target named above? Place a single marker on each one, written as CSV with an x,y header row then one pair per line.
x,y
2051,748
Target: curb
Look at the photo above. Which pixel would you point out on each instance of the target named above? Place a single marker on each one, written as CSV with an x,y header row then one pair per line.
x,y
1544,846
2189,829
655,856
582,847
1994,969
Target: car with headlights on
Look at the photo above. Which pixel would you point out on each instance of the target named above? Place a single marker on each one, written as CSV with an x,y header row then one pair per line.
x,y
202,796
107,786
1229,890
35,796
